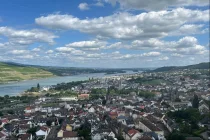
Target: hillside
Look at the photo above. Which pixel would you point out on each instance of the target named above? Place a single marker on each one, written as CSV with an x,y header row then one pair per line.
x,y
67,71
10,73
171,68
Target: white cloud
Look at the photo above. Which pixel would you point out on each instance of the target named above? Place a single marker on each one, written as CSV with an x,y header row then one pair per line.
x,y
99,4
65,49
163,58
156,4
87,45
126,26
186,45
49,51
151,54
25,57
83,6
177,55
36,49
25,37
18,52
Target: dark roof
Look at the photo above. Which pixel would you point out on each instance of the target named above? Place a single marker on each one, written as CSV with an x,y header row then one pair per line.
x,y
193,138
150,125
69,134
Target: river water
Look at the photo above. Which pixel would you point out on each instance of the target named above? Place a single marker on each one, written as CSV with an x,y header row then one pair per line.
x,y
19,87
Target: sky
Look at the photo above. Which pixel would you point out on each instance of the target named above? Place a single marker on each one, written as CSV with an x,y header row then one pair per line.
x,y
104,33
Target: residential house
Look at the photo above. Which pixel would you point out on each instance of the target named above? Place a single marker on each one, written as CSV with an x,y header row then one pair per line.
x,y
29,109
43,132
67,135
131,134
25,137
83,97
3,135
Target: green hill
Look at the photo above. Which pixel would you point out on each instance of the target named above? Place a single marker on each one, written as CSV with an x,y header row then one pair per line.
x,y
10,73
171,68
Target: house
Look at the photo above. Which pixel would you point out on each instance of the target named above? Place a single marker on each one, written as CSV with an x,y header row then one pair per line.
x,y
148,126
96,136
203,108
68,98
3,122
43,132
29,109
67,135
131,134
67,127
113,114
91,109
169,123
23,128
25,137
102,134
3,135
83,97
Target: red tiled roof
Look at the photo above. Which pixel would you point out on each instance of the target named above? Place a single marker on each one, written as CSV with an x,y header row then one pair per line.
x,y
132,132
113,113
44,128
24,136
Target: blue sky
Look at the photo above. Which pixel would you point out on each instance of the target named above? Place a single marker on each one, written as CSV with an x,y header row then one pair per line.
x,y
104,33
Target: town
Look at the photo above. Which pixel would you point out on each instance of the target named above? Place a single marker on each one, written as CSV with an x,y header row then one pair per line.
x,y
172,105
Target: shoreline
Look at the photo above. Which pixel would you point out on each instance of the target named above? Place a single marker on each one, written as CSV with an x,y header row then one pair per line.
x,y
14,82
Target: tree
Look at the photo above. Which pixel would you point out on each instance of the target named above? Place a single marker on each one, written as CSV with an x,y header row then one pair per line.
x,y
104,102
49,122
1,114
195,102
10,112
175,136
38,86
6,96
32,130
60,121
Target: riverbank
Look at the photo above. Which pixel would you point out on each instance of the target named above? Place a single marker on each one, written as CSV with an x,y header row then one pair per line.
x,y
16,88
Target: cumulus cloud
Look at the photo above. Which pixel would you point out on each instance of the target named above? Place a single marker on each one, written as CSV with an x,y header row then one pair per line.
x,y
185,45
126,26
49,51
151,54
87,45
18,52
25,37
36,49
83,6
156,4
163,58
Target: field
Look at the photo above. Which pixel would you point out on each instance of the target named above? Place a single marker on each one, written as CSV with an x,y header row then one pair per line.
x,y
10,73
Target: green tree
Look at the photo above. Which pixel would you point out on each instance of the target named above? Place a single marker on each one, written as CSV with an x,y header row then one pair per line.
x,y
195,102
38,86
49,122
6,96
1,114
32,130
104,102
10,112
175,136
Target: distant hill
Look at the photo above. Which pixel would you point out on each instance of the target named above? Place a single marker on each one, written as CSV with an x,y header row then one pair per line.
x,y
66,71
171,68
13,72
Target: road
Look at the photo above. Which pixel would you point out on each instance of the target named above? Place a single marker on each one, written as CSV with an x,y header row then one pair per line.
x,y
53,133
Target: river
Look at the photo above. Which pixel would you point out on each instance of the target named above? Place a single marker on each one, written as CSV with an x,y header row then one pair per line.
x,y
19,87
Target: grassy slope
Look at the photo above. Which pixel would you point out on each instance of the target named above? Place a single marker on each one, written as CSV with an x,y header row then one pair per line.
x,y
10,73
171,68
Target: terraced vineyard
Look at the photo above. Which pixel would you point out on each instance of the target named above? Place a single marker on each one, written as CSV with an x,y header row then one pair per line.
x,y
10,73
